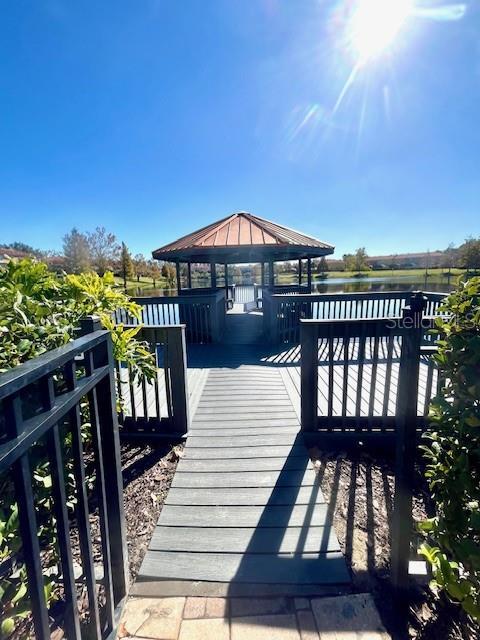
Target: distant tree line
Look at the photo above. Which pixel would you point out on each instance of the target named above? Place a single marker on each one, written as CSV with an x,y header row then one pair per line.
x,y
100,251
466,256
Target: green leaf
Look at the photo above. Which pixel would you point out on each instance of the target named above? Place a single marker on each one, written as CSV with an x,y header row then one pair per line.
x,y
7,627
427,525
20,593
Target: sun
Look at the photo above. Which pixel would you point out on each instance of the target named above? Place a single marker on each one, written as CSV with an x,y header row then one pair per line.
x,y
375,24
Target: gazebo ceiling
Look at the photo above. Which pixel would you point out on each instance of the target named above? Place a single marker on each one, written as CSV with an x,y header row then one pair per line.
x,y
243,237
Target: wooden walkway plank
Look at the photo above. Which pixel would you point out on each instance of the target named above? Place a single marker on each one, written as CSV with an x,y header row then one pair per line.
x,y
218,540
244,567
242,464
237,453
242,441
245,507
288,478
244,496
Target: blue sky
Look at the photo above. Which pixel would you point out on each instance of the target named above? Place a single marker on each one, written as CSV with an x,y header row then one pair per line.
x,y
155,117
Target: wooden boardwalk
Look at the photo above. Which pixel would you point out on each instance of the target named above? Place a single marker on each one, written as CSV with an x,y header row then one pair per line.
x,y
245,514
285,360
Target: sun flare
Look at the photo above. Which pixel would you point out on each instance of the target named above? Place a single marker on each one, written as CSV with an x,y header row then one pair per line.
x,y
375,24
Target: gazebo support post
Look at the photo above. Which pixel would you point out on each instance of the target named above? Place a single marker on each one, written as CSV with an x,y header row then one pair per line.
x,y
213,275
271,274
179,282
225,266
299,272
189,274
309,275
262,274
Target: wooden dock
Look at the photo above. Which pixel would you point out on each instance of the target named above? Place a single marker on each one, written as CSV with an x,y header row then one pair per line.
x,y
245,514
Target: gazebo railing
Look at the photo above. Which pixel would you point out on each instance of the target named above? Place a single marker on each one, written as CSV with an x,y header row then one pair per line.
x,y
203,314
159,407
356,363
283,313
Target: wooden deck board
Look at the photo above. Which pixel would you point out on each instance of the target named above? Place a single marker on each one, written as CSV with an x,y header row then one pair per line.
x,y
218,540
245,507
244,496
241,464
244,567
283,478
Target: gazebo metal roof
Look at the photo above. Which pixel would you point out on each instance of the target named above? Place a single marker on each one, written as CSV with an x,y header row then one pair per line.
x,y
243,237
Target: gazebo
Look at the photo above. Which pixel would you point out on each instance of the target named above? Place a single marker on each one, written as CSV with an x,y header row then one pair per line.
x,y
243,238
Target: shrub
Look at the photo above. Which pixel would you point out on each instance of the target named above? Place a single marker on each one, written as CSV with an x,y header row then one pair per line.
x,y
38,312
453,453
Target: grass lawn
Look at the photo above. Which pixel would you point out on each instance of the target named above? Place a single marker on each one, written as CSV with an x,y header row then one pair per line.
x,y
144,284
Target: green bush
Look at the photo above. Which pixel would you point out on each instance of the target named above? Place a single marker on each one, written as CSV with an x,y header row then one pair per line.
x,y
453,453
40,311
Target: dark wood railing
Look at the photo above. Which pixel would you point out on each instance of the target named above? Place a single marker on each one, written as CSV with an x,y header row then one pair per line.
x,y
203,314
283,313
40,411
160,407
380,359
351,370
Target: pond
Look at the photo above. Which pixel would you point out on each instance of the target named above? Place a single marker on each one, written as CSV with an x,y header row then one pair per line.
x,y
436,282
384,283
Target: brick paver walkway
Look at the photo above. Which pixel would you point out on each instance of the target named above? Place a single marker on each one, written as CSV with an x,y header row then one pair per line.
x,y
352,617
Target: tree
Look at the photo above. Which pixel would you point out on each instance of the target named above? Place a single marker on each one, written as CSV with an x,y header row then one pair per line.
x,y
141,268
450,257
23,248
322,267
128,272
104,249
357,261
469,254
169,272
153,271
76,252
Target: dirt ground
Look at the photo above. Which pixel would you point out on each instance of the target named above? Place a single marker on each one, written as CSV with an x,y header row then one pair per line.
x,y
359,489
147,475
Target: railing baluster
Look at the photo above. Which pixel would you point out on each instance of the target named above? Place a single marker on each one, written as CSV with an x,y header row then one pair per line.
x,y
330,371
133,402
54,449
110,442
373,380
84,532
104,524
346,343
23,484
361,360
388,374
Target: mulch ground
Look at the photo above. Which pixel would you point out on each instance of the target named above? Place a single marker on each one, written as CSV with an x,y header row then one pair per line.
x,y
359,489
147,475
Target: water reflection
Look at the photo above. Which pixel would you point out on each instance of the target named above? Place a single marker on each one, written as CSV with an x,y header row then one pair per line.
x,y
435,283
383,283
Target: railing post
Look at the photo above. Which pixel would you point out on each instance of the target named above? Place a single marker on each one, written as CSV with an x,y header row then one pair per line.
x,y
177,366
220,306
216,314
308,376
406,439
89,324
270,320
